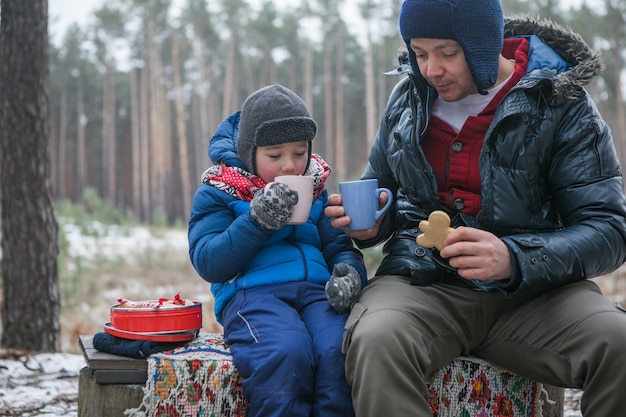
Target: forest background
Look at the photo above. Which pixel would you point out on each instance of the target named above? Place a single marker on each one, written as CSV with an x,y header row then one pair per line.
x,y
137,92
109,125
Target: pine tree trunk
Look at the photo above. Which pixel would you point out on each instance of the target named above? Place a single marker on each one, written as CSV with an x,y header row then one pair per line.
x,y
340,142
329,108
204,114
308,77
183,154
81,153
371,118
109,171
145,135
230,95
31,304
61,191
135,143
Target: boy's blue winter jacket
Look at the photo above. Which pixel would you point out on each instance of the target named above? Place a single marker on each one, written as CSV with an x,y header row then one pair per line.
x,y
232,252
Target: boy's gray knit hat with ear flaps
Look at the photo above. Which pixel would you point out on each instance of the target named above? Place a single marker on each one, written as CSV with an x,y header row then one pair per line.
x,y
270,116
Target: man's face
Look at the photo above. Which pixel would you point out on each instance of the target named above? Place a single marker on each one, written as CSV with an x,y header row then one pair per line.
x,y
442,63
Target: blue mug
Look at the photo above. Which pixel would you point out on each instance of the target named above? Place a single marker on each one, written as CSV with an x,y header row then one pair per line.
x,y
360,200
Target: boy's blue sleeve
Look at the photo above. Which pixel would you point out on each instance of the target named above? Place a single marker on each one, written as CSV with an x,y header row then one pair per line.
x,y
338,247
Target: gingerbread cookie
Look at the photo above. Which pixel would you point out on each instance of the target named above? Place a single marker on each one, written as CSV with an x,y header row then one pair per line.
x,y
434,230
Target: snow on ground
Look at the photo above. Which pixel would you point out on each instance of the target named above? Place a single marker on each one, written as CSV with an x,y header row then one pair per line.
x,y
39,385
110,241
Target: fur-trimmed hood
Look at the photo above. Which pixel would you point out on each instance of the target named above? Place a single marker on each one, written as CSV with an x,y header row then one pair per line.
x,y
585,63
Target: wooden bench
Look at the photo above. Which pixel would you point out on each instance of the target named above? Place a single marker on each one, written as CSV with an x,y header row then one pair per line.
x,y
111,384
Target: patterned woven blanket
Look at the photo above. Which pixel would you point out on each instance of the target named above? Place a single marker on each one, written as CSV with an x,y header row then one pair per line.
x,y
196,380
472,387
201,380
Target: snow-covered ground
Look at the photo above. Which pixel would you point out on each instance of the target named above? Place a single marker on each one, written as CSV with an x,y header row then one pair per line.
x,y
111,240
39,385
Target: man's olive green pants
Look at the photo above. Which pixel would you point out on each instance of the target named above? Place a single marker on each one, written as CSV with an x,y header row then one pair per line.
x,y
398,333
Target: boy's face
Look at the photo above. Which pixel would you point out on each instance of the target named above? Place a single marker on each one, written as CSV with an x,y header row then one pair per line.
x,y
442,63
285,159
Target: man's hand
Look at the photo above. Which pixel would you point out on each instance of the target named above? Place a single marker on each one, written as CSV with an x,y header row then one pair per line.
x,y
336,211
477,254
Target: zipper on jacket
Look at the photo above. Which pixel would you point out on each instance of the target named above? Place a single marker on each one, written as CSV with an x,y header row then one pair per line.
x,y
295,245
416,142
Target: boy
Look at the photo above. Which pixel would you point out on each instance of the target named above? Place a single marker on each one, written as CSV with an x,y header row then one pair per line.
x,y
269,278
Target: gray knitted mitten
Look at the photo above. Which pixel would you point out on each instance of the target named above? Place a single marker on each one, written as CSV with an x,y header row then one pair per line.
x,y
271,207
343,288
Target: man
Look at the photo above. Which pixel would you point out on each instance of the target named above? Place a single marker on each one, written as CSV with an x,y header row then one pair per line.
x,y
492,126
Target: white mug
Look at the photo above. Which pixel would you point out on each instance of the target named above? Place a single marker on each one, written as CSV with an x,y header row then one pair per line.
x,y
304,186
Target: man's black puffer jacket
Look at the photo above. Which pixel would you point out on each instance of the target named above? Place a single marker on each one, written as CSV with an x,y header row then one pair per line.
x,y
551,184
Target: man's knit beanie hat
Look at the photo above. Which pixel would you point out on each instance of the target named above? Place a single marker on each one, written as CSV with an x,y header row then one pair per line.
x,y
271,116
477,25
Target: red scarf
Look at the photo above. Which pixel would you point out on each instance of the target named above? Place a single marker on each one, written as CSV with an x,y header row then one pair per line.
x,y
242,184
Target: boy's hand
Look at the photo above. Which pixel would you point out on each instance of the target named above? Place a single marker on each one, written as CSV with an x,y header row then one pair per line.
x,y
343,288
272,206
